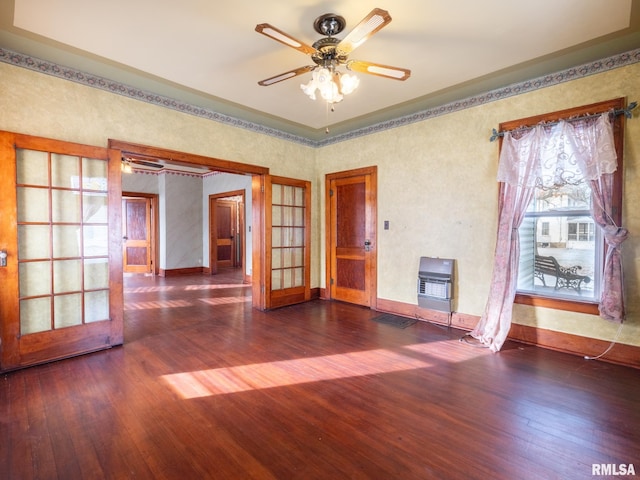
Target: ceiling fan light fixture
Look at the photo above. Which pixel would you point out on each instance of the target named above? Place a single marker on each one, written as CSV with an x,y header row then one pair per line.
x,y
332,85
329,53
348,83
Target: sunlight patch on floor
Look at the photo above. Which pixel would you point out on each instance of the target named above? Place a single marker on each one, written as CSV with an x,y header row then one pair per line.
x,y
217,286
156,304
184,303
203,383
225,300
147,289
464,352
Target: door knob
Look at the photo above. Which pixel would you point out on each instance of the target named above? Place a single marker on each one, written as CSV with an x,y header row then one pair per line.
x,y
125,238
367,245
3,258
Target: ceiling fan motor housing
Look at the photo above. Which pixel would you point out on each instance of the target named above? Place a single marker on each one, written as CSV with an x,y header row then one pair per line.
x,y
327,54
329,24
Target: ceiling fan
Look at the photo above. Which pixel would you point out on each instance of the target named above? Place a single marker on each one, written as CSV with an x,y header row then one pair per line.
x,y
329,52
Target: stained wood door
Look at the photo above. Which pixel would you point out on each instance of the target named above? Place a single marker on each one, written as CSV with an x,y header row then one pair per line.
x,y
136,231
351,233
60,227
287,241
225,228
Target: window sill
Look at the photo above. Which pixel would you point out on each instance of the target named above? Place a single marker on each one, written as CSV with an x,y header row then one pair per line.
x,y
590,308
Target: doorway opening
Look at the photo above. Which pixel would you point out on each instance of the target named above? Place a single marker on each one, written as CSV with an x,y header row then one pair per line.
x,y
139,233
227,232
210,169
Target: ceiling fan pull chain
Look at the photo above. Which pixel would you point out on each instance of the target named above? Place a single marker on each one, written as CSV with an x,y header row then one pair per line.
x,y
326,130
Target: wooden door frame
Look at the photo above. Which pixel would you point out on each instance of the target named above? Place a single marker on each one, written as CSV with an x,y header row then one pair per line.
x,y
213,233
257,199
372,208
155,225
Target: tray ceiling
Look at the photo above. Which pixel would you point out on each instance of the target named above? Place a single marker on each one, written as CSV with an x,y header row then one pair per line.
x,y
208,54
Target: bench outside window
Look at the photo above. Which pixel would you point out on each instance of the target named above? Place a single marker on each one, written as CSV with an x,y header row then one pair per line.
x,y
565,277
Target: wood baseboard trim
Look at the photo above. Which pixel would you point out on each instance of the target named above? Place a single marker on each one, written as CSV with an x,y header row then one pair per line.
x,y
174,272
621,354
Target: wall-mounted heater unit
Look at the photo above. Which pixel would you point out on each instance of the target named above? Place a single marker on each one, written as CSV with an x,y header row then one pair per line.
x,y
435,283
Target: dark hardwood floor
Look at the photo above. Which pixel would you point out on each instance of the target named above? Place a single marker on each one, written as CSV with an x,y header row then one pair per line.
x,y
207,387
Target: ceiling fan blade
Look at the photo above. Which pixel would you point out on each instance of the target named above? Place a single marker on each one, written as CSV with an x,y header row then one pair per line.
x,y
369,25
278,35
387,71
285,76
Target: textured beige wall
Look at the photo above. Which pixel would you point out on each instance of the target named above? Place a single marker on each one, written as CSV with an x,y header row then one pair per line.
x,y
46,106
437,188
436,178
51,107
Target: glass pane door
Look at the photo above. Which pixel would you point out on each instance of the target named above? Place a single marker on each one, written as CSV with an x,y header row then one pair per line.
x,y
60,236
289,241
62,240
288,234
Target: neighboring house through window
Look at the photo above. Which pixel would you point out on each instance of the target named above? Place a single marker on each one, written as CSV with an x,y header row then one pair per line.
x,y
558,224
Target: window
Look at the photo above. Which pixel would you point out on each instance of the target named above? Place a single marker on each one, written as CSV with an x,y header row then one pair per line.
x,y
558,224
558,229
581,231
544,229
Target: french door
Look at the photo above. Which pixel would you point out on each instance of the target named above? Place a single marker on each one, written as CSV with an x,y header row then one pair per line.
x,y
351,236
60,229
287,241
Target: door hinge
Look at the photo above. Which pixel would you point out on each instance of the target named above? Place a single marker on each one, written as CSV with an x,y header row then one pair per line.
x,y
262,188
331,192
331,282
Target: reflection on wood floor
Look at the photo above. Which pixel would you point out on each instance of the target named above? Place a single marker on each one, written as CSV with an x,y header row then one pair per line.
x,y
208,387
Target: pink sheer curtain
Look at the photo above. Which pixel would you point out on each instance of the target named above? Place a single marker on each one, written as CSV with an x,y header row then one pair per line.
x,y
494,325
597,160
612,299
540,157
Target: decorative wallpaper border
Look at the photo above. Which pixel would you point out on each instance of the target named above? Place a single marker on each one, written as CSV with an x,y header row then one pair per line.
x,y
141,171
587,69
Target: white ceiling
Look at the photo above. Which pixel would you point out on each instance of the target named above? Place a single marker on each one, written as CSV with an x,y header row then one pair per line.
x,y
207,53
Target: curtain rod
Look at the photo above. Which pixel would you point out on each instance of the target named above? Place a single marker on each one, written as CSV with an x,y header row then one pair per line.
x,y
618,111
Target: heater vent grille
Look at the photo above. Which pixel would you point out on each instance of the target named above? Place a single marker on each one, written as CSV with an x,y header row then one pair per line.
x,y
435,282
434,288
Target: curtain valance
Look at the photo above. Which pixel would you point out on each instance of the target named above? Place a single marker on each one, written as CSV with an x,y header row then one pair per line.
x,y
565,152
